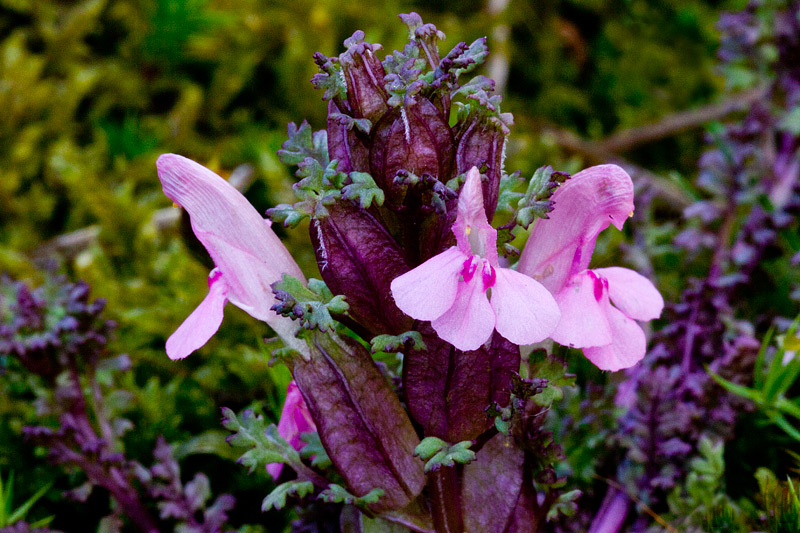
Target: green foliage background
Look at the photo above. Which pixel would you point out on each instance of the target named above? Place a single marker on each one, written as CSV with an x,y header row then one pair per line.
x,y
92,91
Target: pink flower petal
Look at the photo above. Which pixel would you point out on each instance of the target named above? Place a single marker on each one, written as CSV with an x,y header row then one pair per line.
x,y
583,318
274,470
202,323
474,234
526,312
295,420
632,293
627,348
429,290
295,417
469,323
239,240
585,205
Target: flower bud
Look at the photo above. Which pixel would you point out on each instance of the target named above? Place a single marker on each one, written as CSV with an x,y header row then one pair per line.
x,y
414,138
481,143
345,142
363,73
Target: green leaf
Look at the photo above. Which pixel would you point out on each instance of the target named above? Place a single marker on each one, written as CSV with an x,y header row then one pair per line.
x,y
338,494
741,390
311,305
565,504
758,376
780,421
362,124
277,498
546,366
438,453
397,343
536,202
287,214
428,447
9,515
267,446
329,77
314,448
363,190
508,197
302,144
502,425
469,59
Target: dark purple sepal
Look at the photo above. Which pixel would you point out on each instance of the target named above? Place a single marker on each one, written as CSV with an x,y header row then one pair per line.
x,y
413,138
363,73
447,391
481,143
444,493
359,259
491,484
345,143
364,429
436,232
525,516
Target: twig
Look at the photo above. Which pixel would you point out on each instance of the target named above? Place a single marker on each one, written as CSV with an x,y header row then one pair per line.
x,y
681,121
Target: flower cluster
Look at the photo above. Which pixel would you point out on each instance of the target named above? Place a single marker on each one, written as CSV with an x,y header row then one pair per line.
x,y
399,206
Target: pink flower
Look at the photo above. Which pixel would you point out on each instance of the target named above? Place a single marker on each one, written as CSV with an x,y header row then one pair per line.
x,y
450,289
248,255
295,420
558,252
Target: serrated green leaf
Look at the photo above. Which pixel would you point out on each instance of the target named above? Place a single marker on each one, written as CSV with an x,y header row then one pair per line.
x,y
286,214
508,197
364,190
438,453
303,144
565,504
428,447
312,308
314,450
471,58
267,446
397,343
553,370
277,498
338,494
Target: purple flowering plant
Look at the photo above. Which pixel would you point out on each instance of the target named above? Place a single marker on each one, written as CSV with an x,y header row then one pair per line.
x,y
399,192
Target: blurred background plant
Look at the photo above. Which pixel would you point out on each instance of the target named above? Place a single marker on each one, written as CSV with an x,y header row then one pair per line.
x,y
93,91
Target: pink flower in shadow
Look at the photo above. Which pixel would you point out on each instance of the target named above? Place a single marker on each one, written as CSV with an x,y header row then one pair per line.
x,y
295,420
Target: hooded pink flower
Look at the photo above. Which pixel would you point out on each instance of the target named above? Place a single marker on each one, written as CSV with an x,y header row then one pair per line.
x,y
295,420
248,255
558,252
450,289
